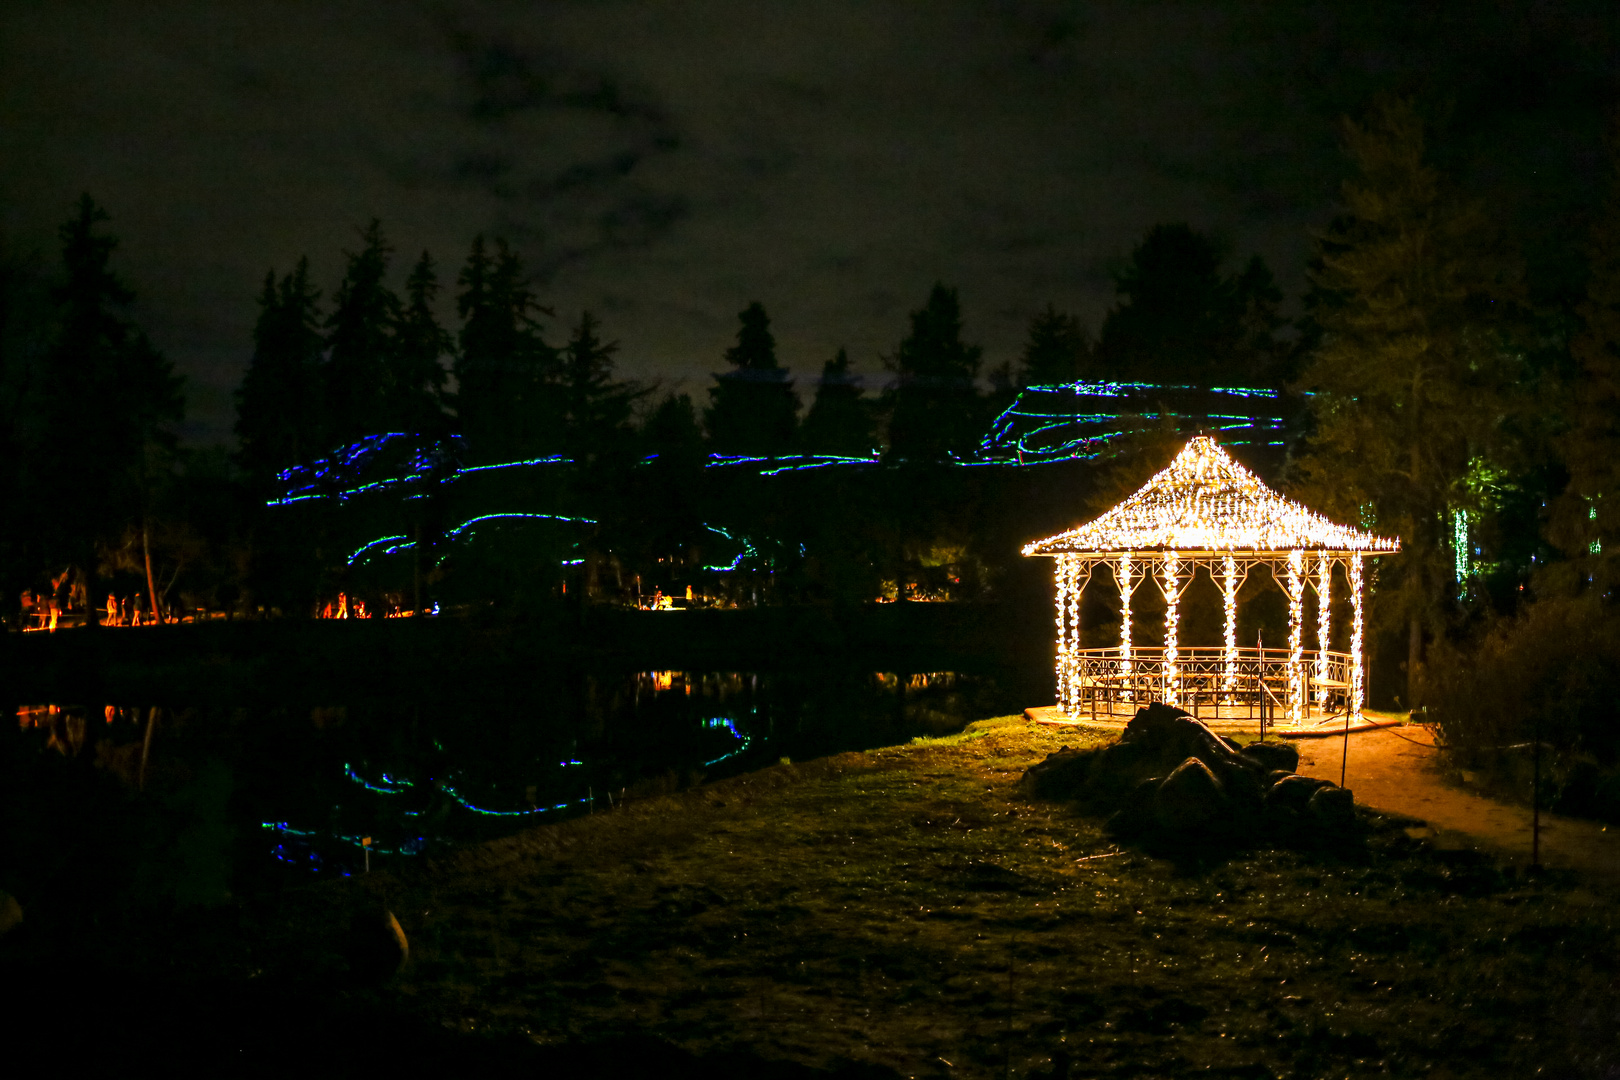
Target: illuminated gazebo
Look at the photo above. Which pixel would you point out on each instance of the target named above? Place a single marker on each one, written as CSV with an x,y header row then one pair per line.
x,y
1206,510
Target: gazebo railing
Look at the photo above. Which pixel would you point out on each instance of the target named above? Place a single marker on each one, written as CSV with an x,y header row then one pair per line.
x,y
1207,681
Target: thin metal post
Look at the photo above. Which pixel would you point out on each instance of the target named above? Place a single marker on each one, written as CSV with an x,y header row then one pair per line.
x,y
1535,796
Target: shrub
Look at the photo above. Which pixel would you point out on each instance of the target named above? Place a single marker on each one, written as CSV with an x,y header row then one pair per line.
x,y
1557,662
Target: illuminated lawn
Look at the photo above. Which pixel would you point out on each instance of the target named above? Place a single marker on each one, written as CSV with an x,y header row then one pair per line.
x,y
908,907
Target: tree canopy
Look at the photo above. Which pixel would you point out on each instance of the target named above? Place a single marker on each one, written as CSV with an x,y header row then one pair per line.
x,y
1182,318
753,408
1413,375
840,419
934,406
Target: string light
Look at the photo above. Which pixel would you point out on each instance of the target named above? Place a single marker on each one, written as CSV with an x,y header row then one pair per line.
x,y
1077,421
1459,550
1205,501
1171,586
1205,508
1125,587
1229,589
1356,688
1324,635
1296,635
1065,585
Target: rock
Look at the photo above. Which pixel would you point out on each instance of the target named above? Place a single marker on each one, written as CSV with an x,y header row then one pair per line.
x,y
11,913
1332,809
1061,776
1292,792
1210,789
376,947
1190,801
1136,816
1272,756
1175,735
1245,795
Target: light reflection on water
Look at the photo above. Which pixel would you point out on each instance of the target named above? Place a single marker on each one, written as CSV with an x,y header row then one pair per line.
x,y
328,788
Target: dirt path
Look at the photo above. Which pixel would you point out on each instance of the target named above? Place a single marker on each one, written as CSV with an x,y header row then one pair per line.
x,y
1395,769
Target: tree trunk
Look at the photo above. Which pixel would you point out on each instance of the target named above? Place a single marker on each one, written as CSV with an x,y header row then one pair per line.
x,y
146,554
416,573
1414,664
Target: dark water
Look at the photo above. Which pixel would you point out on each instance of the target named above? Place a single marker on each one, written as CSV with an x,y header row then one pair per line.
x,y
203,801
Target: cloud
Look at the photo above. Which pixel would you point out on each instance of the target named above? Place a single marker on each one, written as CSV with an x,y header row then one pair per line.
x,y
663,164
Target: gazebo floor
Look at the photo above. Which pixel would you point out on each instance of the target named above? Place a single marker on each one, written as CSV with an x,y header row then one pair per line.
x,y
1238,721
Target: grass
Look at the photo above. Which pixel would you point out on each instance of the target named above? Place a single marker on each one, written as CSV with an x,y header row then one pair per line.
x,y
911,908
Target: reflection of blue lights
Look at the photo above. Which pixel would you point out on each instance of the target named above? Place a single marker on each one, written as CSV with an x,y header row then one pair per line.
x,y
384,788
454,794
414,846
748,551
744,741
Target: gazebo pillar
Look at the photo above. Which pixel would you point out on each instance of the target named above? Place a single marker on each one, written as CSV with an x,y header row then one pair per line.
x,y
1295,588
1122,575
1357,689
1230,583
1173,581
1073,575
1324,590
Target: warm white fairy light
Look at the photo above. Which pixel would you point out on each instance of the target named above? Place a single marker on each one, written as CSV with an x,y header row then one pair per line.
x,y
1356,688
1205,501
1065,583
1206,508
1081,575
1296,635
1324,590
1229,588
1125,587
1170,572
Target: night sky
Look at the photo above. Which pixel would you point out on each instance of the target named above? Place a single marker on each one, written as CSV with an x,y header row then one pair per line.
x,y
664,164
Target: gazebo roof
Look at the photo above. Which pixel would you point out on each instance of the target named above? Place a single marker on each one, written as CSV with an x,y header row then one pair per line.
x,y
1206,502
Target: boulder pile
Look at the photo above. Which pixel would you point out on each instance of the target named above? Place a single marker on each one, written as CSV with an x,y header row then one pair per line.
x,y
1171,780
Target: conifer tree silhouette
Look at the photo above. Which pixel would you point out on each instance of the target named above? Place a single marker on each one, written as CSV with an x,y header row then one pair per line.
x,y
839,420
110,400
752,407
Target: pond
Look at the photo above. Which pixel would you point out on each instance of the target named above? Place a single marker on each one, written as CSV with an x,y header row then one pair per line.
x,y
203,801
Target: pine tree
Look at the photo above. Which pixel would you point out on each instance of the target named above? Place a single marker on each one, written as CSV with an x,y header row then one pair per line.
x,y
840,419
934,406
752,407
506,395
1057,351
278,406
110,400
360,341
672,431
415,375
1411,381
1180,319
596,405
1584,519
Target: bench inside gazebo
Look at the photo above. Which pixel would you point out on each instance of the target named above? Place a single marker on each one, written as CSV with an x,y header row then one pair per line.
x,y
1207,512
